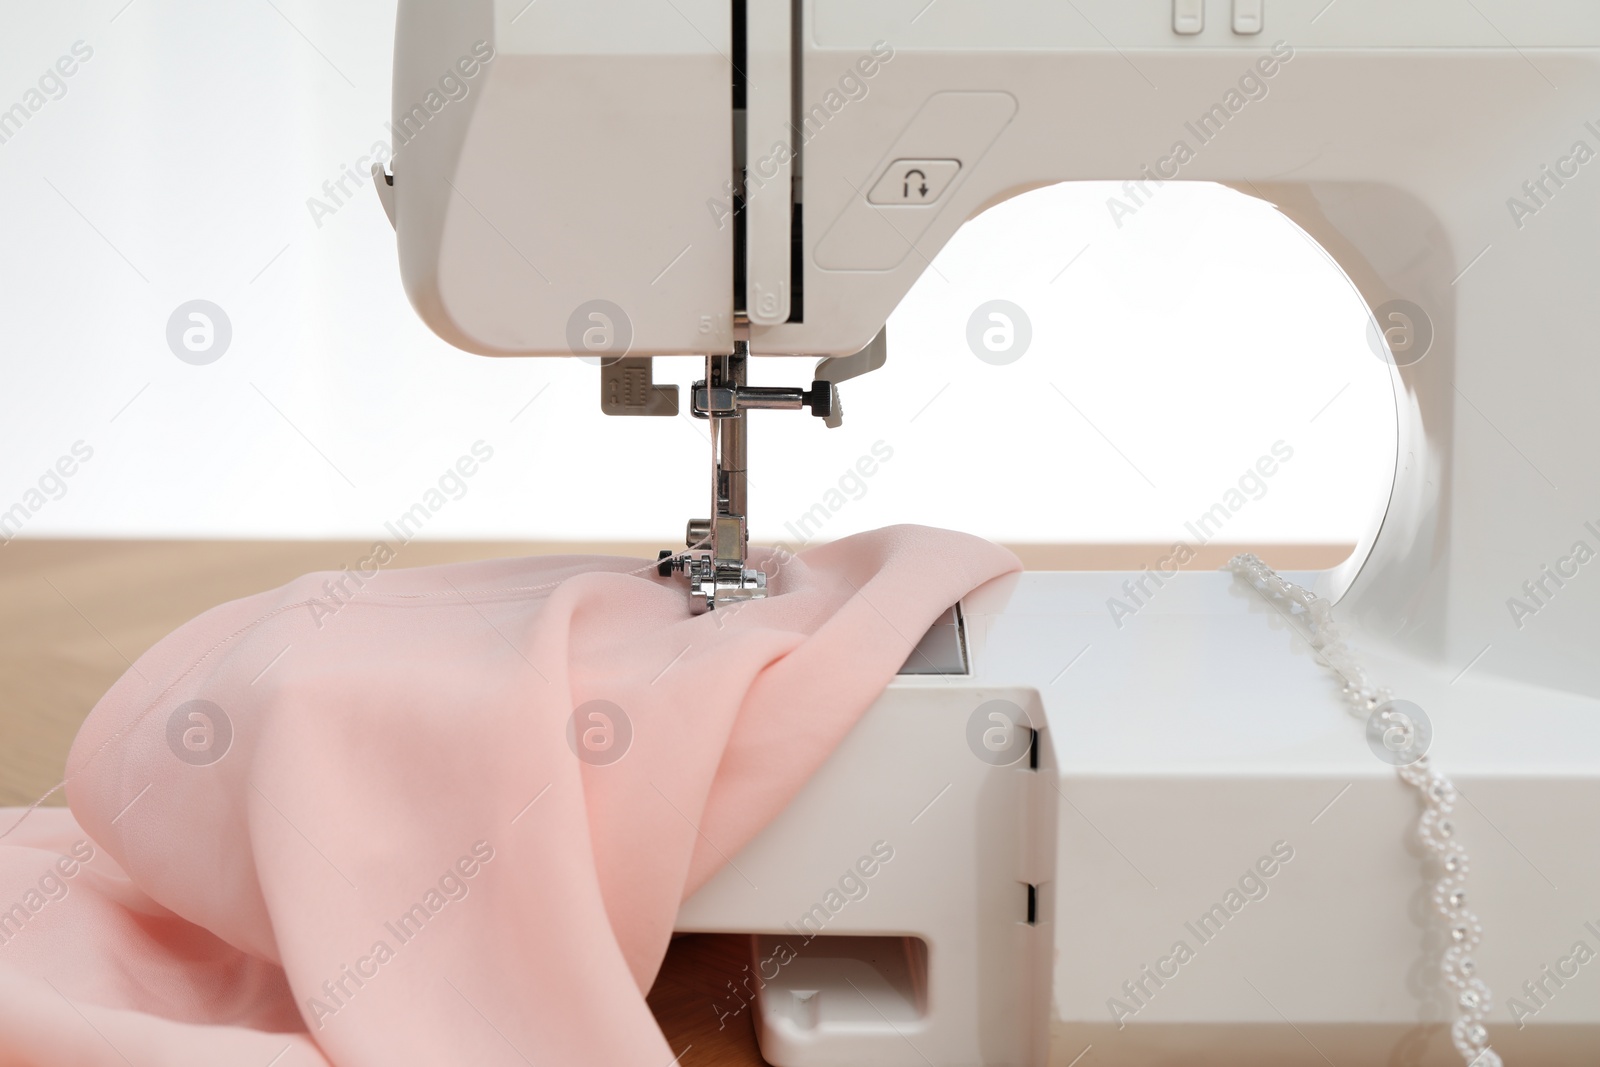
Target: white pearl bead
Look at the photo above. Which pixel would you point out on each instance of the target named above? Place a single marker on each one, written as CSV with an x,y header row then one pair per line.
x,y
1435,830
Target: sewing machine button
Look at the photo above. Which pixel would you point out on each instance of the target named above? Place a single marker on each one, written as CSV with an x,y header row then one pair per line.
x,y
1188,16
914,182
1247,16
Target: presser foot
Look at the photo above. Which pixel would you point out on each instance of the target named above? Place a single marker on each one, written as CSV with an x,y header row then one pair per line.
x,y
712,583
715,561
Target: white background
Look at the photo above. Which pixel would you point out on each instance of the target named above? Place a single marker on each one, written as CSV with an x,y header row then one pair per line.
x,y
1170,355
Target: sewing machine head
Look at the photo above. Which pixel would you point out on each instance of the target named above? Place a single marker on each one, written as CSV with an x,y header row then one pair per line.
x,y
770,178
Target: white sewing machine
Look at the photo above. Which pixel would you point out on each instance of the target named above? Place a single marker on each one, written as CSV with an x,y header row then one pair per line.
x,y
796,163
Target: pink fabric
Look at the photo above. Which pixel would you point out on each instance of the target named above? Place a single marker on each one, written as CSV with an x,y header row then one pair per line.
x,y
401,748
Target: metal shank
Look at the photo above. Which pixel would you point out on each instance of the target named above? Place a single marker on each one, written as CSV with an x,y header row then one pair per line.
x,y
716,565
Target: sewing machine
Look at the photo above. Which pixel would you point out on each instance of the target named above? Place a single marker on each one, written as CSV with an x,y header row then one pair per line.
x,y
1066,797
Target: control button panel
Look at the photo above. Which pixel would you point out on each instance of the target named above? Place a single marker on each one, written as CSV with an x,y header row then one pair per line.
x,y
1188,16
1247,16
881,218
914,182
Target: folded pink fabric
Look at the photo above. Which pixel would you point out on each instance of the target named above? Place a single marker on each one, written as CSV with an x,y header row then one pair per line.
x,y
434,816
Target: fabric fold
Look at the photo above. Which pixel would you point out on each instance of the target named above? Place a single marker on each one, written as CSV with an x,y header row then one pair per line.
x,y
437,815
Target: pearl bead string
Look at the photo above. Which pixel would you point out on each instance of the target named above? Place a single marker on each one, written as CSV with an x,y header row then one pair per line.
x,y
1435,828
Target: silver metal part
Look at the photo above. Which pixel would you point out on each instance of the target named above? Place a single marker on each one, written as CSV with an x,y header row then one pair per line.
x,y
728,579
717,548
718,402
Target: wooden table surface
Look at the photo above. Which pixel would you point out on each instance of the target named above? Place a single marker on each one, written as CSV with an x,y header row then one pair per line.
x,y
75,614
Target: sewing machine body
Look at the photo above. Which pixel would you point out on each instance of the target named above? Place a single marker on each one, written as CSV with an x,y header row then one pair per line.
x,y
712,185
1154,790
1394,137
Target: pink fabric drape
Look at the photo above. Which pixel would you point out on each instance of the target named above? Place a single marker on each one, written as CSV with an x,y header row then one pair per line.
x,y
434,816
